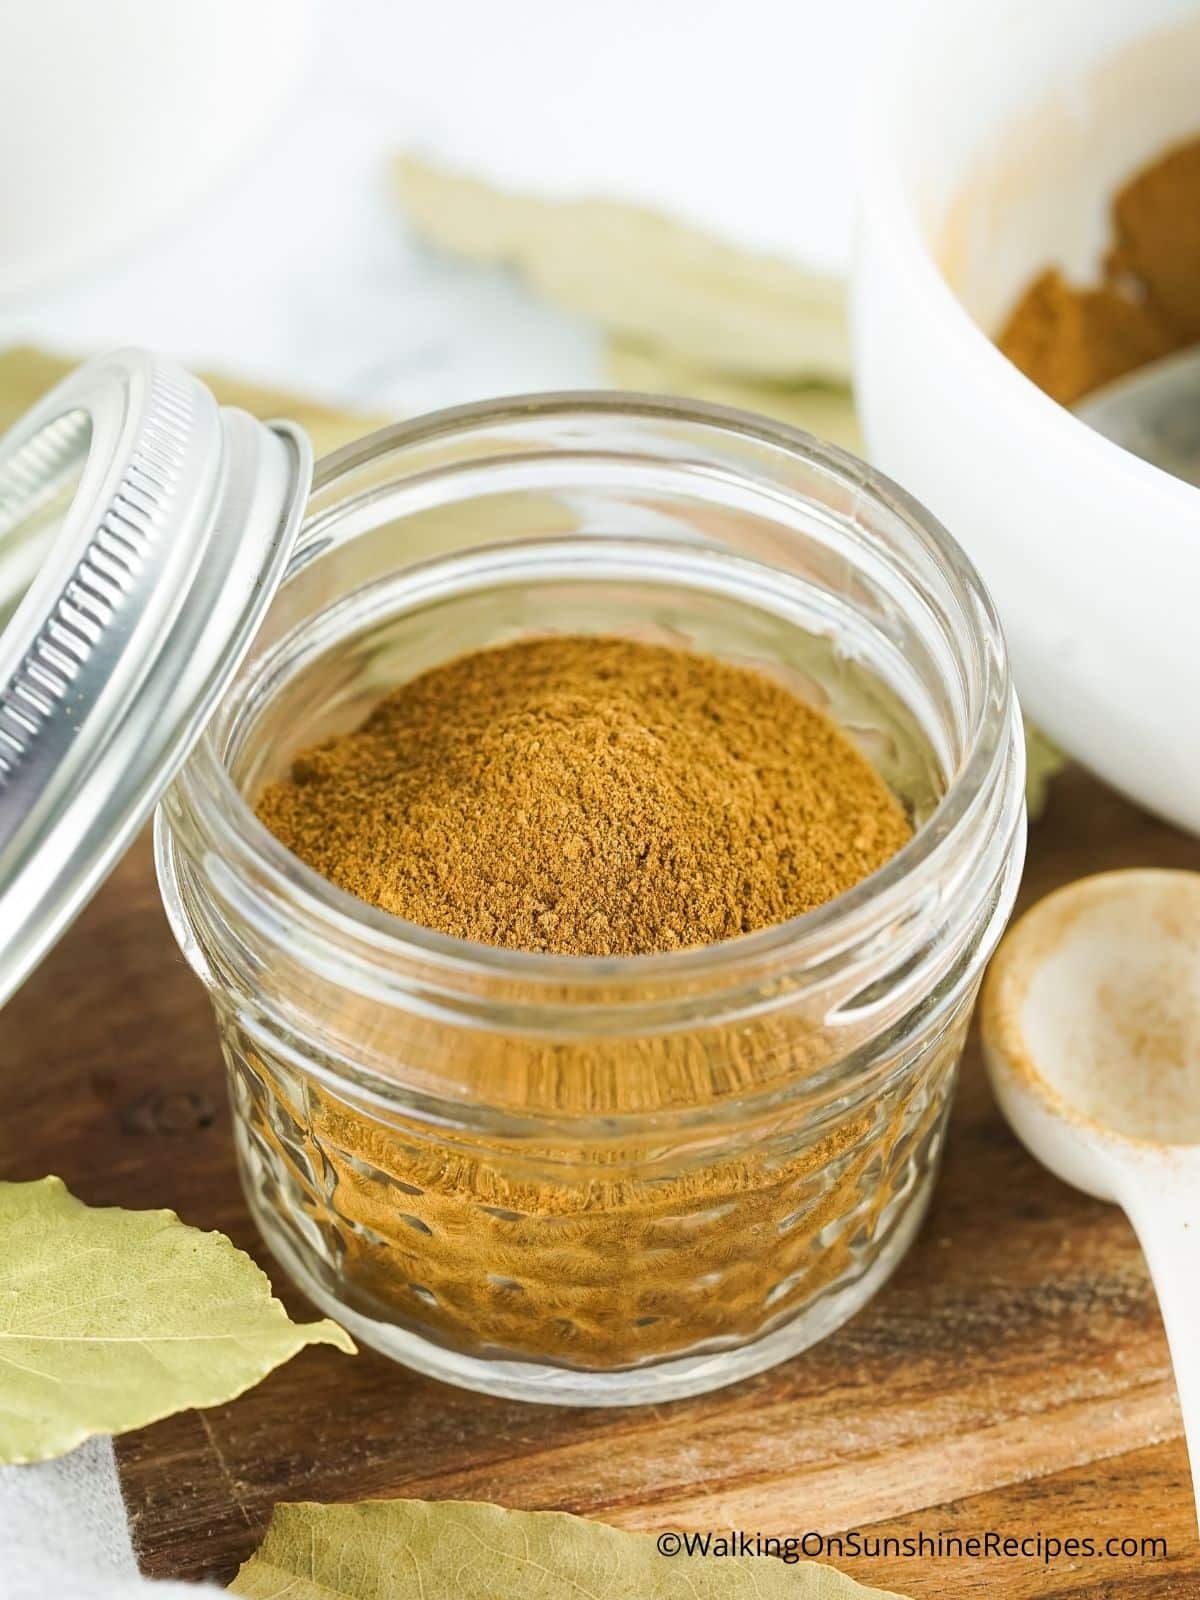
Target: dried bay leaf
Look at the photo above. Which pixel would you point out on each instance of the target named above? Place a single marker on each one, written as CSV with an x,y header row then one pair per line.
x,y
643,275
453,1550
111,1319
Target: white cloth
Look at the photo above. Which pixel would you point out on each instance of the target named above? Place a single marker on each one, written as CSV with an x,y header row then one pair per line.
x,y
64,1534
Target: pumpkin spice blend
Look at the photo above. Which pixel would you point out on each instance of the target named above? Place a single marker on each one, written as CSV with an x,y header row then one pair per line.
x,y
590,797
600,797
1070,339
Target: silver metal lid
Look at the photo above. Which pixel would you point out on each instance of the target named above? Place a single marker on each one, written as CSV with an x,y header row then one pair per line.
x,y
145,596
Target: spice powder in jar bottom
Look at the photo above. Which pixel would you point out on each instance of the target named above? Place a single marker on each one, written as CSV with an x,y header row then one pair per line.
x,y
597,796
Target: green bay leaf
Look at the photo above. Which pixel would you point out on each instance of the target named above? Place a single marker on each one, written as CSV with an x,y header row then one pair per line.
x,y
111,1319
455,1550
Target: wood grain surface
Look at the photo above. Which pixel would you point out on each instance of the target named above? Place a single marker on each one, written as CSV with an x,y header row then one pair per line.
x,y
1012,1377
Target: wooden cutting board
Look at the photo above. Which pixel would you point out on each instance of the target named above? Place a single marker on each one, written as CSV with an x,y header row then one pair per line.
x,y
1012,1377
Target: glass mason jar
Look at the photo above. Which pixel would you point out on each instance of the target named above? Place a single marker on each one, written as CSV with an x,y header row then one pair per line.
x,y
620,1180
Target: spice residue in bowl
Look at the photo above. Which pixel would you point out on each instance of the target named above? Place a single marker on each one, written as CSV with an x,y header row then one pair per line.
x,y
1071,339
590,796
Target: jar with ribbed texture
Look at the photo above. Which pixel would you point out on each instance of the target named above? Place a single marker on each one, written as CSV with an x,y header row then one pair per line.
x,y
603,1181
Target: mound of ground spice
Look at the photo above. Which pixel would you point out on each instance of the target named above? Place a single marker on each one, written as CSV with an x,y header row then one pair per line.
x,y
589,796
1070,339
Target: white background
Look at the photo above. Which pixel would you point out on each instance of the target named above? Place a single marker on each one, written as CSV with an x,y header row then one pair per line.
x,y
297,268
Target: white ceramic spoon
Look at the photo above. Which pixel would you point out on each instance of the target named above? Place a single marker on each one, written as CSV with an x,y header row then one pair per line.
x,y
1091,1033
1155,412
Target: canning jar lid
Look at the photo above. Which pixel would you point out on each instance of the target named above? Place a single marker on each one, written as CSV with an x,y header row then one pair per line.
x,y
154,526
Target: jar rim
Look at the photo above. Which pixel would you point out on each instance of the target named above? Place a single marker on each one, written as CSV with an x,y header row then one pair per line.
x,y
803,939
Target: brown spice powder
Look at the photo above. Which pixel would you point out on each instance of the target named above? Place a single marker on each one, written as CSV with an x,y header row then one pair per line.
x,y
1070,340
611,1258
592,797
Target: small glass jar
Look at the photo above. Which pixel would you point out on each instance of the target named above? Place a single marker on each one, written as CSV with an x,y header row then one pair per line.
x,y
620,1180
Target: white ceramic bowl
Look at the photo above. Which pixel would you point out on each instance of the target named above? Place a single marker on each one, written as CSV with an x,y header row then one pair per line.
x,y
994,140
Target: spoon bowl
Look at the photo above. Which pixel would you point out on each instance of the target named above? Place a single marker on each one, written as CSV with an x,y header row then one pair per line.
x,y
1154,412
1091,1035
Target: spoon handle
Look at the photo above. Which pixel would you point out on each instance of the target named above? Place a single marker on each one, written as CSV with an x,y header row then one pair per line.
x,y
1167,1223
